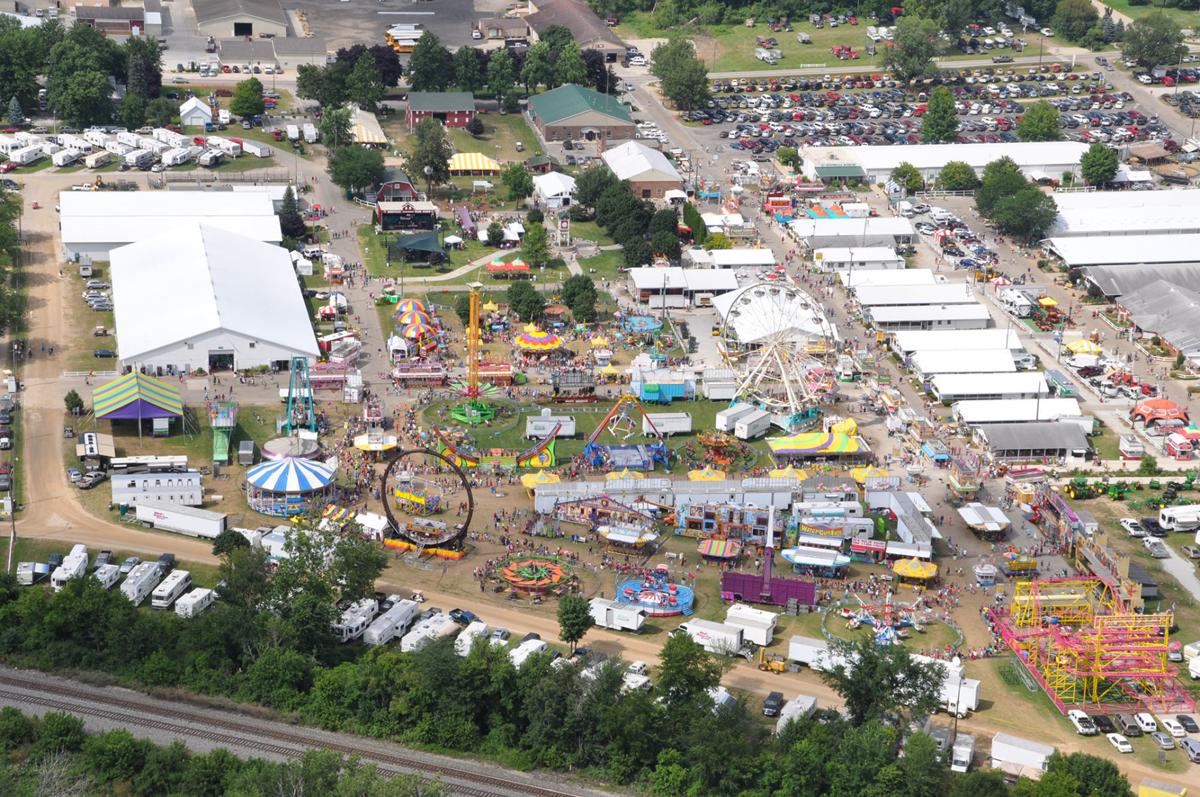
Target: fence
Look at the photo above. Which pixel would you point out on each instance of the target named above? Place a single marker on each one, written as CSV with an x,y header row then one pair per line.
x,y
277,175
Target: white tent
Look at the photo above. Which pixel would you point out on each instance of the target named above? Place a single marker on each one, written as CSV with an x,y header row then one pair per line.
x,y
208,297
638,163
554,189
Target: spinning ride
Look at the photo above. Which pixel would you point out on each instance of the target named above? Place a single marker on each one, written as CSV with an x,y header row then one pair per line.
x,y
776,338
657,594
536,574
419,490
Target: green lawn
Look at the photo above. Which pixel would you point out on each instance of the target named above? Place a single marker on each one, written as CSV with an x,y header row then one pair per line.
x,y
500,136
80,348
375,256
1107,444
1185,19
606,265
590,231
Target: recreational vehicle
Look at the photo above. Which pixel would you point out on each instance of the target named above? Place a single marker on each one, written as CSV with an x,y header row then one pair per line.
x,y
195,602
174,585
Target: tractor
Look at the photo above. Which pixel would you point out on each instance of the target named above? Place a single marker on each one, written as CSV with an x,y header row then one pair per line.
x,y
771,662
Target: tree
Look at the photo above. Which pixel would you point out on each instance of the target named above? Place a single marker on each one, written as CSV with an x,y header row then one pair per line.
x,y
1026,214
430,150
526,302
599,74
291,223
324,85
981,783
387,60
73,401
539,67
59,733
501,74
355,168
570,68
83,99
579,294
574,615
915,44
517,180
683,78
247,99
228,541
1152,40
923,766
908,178
143,71
591,184
363,85
429,66
1001,178
1099,164
788,156
16,116
1073,18
686,673
874,681
335,127
1099,777
161,111
717,240
1040,123
1148,466
468,69
475,126
133,111
939,125
666,244
535,246
495,234
957,176
114,756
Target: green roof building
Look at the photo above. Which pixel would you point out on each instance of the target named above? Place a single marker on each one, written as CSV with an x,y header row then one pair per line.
x,y
577,112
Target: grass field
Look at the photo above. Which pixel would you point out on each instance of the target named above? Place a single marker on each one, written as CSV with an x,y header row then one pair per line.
x,y
606,265
1185,19
375,256
80,350
499,139
590,231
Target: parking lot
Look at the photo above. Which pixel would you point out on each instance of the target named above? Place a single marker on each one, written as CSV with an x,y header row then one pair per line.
x,y
759,116
347,22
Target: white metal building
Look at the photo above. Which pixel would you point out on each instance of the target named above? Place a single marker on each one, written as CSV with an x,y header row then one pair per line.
x,y
208,298
679,287
929,316
971,340
1015,410
1127,213
174,488
93,223
905,276
854,258
554,189
738,257
875,231
930,363
1036,159
1113,250
914,295
1017,385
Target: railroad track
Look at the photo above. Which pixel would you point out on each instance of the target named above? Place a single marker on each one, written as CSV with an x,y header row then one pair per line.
x,y
238,735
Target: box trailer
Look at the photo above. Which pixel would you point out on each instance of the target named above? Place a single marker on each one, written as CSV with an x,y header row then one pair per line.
x,y
726,419
310,133
752,424
245,454
667,423
256,148
521,653
223,116
74,565
166,593
293,133
26,155
619,617
962,753
466,640
140,158
393,623
195,602
355,620
758,625
542,424
65,157
98,159
426,631
140,582
108,575
182,519
226,145
1016,755
30,573
1180,518
726,640
812,652
799,706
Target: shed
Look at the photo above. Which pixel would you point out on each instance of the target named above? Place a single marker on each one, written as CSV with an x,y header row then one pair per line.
x,y
451,108
865,258
195,113
1033,442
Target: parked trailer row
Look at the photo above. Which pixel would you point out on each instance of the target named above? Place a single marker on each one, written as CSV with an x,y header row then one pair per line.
x,y
174,585
74,565
393,623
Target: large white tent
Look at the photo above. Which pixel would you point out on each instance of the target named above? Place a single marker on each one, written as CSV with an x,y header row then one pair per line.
x,y
94,223
204,297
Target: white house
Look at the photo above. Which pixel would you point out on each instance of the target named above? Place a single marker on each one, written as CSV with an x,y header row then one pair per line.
x,y
554,189
208,298
195,113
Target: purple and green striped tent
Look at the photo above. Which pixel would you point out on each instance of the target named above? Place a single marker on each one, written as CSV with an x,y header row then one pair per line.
x,y
135,397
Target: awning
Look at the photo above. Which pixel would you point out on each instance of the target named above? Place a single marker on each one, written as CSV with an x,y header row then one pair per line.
x,y
719,549
418,242
473,162
290,475
913,568
501,267
833,171
814,444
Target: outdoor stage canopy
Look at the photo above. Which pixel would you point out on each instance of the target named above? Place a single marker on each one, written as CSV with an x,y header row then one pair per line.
x,y
136,397
472,162
417,244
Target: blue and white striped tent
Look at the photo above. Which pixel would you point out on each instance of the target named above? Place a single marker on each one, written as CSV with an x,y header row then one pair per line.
x,y
290,475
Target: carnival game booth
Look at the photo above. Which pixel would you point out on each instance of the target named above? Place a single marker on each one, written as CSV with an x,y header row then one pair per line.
x,y
627,537
138,397
508,269
657,594
289,486
531,481
818,446
914,571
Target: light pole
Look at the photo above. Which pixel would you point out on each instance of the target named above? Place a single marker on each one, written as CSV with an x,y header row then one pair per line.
x,y
428,183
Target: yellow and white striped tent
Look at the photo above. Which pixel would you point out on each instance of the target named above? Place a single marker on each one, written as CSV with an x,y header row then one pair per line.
x,y
365,128
473,163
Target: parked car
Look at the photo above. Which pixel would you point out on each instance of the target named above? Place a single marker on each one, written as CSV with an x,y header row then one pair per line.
x,y
499,636
773,704
104,353
91,479
129,563
1173,727
1188,723
74,475
1191,551
1119,742
1163,741
532,635
166,563
462,616
1133,527
5,482
1102,722
102,558
1082,722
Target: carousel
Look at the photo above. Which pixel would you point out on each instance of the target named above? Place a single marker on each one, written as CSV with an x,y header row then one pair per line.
x,y
289,486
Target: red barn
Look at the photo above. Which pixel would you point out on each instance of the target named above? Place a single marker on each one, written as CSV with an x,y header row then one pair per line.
x,y
451,108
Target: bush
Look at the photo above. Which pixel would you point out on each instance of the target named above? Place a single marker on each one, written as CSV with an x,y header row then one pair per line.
x,y
15,729
535,216
556,263
60,733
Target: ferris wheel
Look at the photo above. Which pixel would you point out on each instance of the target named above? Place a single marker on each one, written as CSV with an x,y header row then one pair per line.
x,y
776,338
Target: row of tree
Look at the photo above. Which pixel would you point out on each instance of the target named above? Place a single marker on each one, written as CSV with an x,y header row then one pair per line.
x,y
555,59
53,755
643,231
12,305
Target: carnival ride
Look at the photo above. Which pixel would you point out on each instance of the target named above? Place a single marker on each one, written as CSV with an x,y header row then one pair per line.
x,y
454,444
474,410
414,491
222,417
301,412
1087,650
376,439
777,340
536,574
889,623
657,595
620,423
767,587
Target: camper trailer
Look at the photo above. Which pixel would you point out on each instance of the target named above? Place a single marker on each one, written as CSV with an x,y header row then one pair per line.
x,y
140,582
65,157
393,623
355,620
26,155
256,148
107,575
310,133
195,602
74,565
426,631
521,653
466,640
174,585
140,159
